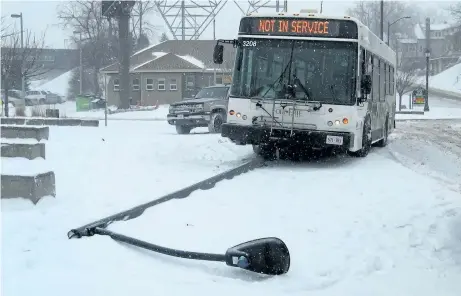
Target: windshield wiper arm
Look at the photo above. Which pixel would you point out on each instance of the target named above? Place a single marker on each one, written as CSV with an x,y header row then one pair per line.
x,y
279,79
332,89
298,82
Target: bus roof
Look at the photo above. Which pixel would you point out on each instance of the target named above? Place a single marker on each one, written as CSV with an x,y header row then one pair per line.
x,y
367,38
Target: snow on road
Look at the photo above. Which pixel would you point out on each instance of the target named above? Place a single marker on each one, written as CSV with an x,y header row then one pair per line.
x,y
373,226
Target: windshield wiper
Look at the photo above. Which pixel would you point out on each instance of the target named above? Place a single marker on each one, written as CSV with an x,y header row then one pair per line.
x,y
282,75
332,89
298,82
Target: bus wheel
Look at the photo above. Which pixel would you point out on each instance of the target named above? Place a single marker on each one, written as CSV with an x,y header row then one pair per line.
x,y
265,150
383,141
366,141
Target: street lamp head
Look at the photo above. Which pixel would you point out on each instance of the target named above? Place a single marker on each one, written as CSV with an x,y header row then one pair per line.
x,y
15,15
408,17
76,32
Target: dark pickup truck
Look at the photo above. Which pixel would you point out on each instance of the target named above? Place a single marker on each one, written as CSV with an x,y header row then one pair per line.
x,y
207,109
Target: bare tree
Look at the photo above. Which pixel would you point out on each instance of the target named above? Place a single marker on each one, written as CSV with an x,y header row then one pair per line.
x,y
100,35
19,62
405,79
369,13
139,23
455,11
5,29
86,18
164,37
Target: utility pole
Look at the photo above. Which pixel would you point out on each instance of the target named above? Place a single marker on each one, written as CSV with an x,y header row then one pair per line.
x,y
321,6
183,20
428,54
122,10
23,79
140,19
214,38
125,49
81,60
382,20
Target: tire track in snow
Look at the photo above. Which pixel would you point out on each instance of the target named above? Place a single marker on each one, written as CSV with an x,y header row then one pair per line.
x,y
418,145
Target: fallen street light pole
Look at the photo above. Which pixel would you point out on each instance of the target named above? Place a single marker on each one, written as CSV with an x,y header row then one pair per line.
x,y
182,193
267,255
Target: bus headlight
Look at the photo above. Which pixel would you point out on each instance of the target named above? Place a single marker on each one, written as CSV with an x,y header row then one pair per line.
x,y
337,122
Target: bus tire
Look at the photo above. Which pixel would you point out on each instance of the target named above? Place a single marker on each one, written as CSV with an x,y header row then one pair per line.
x,y
383,141
366,144
265,150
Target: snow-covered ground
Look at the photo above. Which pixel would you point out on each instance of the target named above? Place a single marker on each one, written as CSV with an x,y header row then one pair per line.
x,y
59,85
439,108
374,226
449,80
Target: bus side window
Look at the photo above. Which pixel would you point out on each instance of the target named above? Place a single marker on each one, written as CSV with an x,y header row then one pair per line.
x,y
382,85
369,70
392,81
376,79
386,79
364,63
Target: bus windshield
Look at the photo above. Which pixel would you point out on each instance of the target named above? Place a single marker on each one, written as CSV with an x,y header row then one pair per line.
x,y
326,69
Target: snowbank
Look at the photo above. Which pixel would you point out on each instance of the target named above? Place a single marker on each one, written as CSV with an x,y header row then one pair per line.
x,y
59,85
449,80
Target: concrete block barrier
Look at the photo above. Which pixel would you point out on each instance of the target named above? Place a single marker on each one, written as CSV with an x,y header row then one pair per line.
x,y
31,187
25,132
50,121
29,151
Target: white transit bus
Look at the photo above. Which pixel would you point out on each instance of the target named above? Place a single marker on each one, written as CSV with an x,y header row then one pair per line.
x,y
309,80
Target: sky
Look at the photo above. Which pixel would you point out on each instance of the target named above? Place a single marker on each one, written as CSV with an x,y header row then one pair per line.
x,y
40,17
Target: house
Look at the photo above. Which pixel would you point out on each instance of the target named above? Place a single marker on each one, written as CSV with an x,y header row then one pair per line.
x,y
170,72
445,47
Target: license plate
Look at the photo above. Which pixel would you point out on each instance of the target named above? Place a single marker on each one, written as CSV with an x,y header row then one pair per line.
x,y
334,140
180,116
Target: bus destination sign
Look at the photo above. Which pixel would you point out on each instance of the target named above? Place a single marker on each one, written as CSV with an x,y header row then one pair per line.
x,y
300,27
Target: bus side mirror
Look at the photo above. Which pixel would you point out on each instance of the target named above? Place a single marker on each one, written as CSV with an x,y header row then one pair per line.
x,y
218,54
366,84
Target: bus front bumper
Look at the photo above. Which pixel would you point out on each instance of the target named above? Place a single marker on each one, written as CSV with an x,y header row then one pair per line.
x,y
312,138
